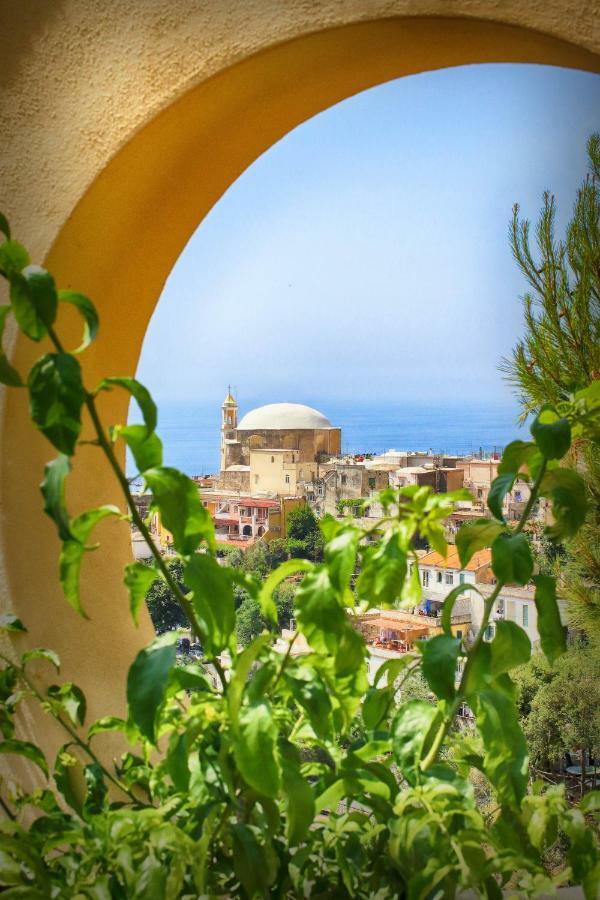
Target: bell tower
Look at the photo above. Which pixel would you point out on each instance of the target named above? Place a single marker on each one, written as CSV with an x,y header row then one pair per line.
x,y
229,420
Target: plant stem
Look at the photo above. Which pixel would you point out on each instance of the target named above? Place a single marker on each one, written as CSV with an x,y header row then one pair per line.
x,y
284,663
106,446
487,611
68,728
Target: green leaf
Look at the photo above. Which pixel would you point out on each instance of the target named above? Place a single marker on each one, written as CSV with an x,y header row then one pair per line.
x,y
250,862
383,571
567,491
551,433
274,579
150,880
319,614
41,653
176,498
146,449
213,600
8,374
313,695
188,678
34,301
72,552
88,311
590,803
239,678
515,456
13,258
10,623
4,226
96,790
510,648
29,751
56,396
501,486
412,592
410,729
506,757
147,682
138,581
65,767
140,394
53,491
24,892
376,706
107,723
512,561
70,699
550,627
449,601
340,557
474,536
440,655
255,749
392,669
300,803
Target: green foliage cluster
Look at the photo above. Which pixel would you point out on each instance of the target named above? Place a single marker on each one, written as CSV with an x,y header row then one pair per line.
x,y
559,354
304,538
165,611
214,793
560,705
250,621
357,506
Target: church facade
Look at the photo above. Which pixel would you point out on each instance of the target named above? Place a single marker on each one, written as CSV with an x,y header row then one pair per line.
x,y
274,448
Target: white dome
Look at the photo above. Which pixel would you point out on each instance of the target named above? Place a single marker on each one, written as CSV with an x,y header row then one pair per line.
x,y
283,416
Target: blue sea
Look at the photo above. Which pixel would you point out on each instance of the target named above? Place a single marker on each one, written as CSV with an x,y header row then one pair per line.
x,y
190,433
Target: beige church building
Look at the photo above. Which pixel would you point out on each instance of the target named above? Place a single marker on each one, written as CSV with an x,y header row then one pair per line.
x,y
273,449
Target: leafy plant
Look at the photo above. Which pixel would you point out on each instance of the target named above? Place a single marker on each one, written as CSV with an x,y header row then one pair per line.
x,y
264,785
559,355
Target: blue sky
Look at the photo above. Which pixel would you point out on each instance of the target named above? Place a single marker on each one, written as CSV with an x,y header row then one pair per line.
x,y
365,256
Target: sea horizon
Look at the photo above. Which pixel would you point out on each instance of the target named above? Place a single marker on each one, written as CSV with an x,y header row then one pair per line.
x,y
190,432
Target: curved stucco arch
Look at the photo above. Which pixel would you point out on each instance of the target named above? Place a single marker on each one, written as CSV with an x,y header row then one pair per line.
x,y
115,229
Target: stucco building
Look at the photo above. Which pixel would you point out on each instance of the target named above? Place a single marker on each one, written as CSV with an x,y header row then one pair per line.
x,y
274,448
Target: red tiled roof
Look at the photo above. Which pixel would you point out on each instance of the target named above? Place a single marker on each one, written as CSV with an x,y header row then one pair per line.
x,y
452,561
259,504
243,545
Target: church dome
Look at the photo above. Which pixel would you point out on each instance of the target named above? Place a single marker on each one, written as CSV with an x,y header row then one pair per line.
x,y
283,416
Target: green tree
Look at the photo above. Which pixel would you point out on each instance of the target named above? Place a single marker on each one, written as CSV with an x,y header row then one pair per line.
x,y
256,560
232,555
249,620
560,354
302,523
165,611
284,601
561,705
304,538
277,552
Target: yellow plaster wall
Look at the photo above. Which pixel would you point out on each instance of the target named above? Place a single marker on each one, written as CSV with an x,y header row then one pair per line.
x,y
122,124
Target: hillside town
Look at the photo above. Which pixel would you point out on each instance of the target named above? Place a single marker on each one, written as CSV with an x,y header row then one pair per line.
x,y
283,456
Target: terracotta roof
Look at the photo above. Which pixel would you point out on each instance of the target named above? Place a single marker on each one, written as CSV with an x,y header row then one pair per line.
x,y
241,545
392,624
259,504
452,561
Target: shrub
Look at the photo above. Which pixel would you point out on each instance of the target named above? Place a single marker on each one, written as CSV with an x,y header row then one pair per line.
x,y
293,777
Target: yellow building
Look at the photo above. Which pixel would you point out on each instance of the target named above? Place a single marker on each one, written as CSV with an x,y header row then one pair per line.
x,y
274,447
